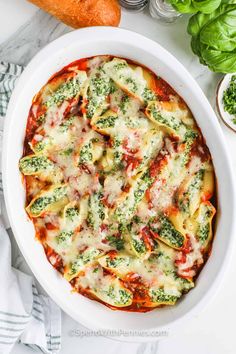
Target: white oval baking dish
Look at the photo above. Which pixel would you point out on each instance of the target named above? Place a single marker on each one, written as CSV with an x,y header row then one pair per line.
x,y
123,43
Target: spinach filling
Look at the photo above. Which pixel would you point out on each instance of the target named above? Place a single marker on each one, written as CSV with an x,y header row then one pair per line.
x,y
100,87
138,245
123,104
64,237
34,164
40,146
66,91
203,232
83,259
96,212
41,203
85,155
160,296
171,121
108,122
114,262
148,95
129,205
194,187
122,297
72,213
167,232
116,241
65,125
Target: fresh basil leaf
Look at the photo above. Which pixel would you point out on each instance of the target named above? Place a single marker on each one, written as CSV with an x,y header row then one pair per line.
x,y
183,6
206,6
199,20
220,33
223,62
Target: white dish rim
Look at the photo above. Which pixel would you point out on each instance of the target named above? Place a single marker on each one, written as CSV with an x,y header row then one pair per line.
x,y
129,37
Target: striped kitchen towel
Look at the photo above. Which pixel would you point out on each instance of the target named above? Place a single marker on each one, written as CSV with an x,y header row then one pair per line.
x,y
8,77
25,315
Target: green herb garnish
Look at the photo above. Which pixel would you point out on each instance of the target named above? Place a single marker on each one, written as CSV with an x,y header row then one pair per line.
x,y
229,97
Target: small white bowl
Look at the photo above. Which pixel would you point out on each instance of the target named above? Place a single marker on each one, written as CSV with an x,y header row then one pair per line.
x,y
225,116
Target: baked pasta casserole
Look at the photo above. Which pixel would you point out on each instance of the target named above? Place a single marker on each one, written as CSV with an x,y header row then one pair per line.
x,y
119,183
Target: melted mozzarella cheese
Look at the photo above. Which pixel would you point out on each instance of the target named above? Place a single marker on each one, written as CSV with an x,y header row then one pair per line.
x,y
109,169
192,258
113,187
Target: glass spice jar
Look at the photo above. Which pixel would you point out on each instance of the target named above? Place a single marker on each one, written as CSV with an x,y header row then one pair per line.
x,y
134,5
162,10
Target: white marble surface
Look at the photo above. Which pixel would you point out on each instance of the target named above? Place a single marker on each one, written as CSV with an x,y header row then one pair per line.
x,y
23,31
